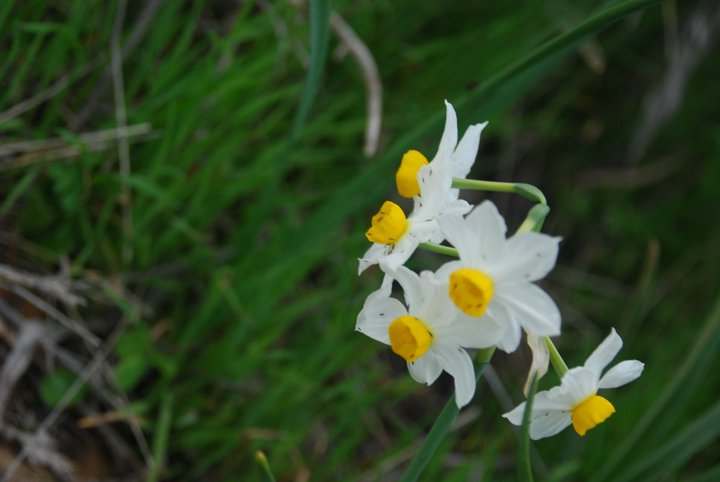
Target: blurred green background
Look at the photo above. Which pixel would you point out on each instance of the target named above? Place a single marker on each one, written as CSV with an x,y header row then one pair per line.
x,y
225,244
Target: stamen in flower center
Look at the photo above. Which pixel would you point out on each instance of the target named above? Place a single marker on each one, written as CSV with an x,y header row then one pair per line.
x,y
590,413
388,225
406,176
471,290
409,337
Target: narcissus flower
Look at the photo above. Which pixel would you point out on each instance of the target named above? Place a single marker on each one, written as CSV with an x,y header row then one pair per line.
x,y
494,276
396,236
576,400
427,331
460,157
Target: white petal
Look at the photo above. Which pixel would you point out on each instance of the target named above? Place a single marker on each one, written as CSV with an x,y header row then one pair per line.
x,y
457,363
457,232
425,369
435,182
466,152
457,206
532,307
379,310
483,236
410,283
527,257
549,424
548,417
504,317
577,384
401,252
546,401
448,141
621,374
435,308
372,256
479,238
422,231
444,271
470,332
515,415
604,353
541,404
376,316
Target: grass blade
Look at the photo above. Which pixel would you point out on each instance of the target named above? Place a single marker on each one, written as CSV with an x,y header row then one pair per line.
x,y
678,450
262,461
319,37
161,438
561,43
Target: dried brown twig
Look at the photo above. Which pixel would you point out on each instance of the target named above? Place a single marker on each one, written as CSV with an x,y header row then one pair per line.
x,y
31,443
685,51
25,153
58,287
361,53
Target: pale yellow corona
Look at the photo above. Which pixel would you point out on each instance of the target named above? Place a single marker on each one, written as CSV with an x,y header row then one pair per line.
x,y
471,291
388,225
590,413
409,337
406,176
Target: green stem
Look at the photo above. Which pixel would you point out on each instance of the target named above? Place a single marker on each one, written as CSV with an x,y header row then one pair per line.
x,y
440,249
556,360
441,426
524,466
527,191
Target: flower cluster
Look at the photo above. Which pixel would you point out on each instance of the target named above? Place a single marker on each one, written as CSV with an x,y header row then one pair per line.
x,y
486,298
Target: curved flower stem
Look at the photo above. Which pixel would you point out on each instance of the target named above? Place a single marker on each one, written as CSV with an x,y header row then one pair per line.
x,y
534,219
440,249
527,191
441,426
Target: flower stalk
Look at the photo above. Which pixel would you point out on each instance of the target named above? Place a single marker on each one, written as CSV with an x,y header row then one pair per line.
x,y
528,191
442,425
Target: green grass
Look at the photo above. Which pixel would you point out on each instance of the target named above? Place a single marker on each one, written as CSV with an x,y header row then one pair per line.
x,y
245,240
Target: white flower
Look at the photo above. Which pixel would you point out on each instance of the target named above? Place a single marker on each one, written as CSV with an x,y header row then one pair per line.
x,y
458,157
576,401
395,237
495,275
429,333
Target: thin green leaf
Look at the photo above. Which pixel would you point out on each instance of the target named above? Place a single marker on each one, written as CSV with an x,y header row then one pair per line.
x,y
319,37
562,43
17,191
160,442
262,461
677,451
